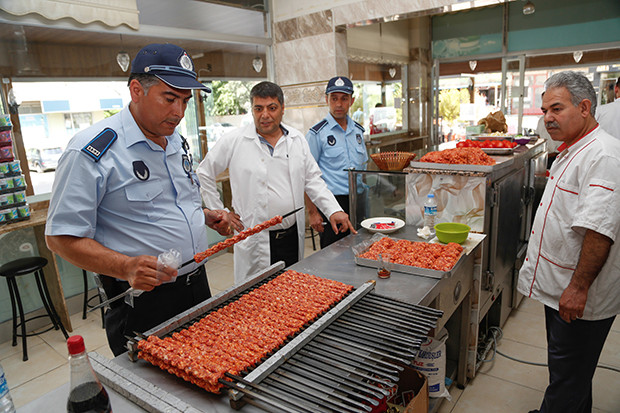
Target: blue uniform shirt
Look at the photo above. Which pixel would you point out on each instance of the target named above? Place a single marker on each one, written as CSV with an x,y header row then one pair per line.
x,y
335,150
137,199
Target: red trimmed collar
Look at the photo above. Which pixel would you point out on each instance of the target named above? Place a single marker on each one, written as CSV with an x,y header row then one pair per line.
x,y
564,145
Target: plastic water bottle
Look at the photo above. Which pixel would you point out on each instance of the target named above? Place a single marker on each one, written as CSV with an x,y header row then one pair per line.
x,y
430,213
6,403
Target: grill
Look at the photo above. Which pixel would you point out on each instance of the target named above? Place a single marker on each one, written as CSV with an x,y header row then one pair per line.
x,y
347,360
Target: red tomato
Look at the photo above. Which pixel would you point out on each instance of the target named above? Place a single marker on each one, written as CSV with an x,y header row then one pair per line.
x,y
460,144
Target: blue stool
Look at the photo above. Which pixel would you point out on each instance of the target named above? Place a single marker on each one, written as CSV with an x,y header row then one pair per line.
x,y
87,300
24,266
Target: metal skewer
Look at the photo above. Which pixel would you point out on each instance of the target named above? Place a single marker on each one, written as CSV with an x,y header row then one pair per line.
x,y
131,289
283,216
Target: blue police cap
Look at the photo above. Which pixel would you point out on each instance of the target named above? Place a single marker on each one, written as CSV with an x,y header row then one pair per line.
x,y
339,84
169,63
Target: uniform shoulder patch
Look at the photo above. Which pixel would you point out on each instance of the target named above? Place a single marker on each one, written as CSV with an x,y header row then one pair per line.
x,y
357,125
316,128
100,144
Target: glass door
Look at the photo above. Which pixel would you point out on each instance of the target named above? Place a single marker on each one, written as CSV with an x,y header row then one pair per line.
x,y
513,92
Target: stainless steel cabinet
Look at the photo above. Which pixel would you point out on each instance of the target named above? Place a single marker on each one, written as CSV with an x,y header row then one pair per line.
x,y
495,200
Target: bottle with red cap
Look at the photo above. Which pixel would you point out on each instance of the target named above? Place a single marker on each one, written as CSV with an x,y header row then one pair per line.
x,y
87,395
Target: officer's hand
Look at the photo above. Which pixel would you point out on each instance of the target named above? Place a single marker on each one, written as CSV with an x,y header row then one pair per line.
x,y
316,222
340,223
223,222
142,273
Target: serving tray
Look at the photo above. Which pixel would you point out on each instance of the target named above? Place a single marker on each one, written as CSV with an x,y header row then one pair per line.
x,y
487,137
498,151
408,269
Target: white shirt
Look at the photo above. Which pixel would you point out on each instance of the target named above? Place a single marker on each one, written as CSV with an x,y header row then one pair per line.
x,y
608,116
249,167
583,192
279,199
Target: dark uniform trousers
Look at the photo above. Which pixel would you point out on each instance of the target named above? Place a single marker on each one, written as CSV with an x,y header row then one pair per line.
x,y
284,245
328,236
573,351
150,308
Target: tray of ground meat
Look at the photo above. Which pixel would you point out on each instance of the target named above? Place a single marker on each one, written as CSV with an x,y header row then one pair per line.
x,y
418,258
460,156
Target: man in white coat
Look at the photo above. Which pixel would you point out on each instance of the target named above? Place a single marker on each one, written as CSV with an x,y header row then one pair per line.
x,y
270,168
573,259
608,116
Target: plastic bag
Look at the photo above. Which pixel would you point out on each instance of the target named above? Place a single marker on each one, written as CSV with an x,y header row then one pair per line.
x,y
494,122
170,259
431,361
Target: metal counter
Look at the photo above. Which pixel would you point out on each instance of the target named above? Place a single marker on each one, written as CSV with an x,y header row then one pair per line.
x,y
452,295
335,262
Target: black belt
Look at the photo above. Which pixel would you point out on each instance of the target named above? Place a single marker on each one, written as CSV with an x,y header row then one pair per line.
x,y
189,277
282,233
114,286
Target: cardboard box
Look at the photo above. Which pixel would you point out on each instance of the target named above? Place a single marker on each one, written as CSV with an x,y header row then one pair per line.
x,y
413,389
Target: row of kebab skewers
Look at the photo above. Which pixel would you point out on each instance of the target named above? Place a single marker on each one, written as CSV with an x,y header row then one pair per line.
x,y
238,336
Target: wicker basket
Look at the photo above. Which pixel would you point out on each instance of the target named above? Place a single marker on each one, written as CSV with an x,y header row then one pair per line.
x,y
392,161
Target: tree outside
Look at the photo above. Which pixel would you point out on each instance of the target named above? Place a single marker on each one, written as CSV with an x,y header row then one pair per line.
x,y
450,103
450,107
229,98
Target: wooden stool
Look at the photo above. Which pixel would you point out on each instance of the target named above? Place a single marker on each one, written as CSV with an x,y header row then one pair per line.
x,y
87,300
24,266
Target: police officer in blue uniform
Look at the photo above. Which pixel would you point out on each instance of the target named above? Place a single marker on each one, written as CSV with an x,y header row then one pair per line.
x,y
337,143
125,192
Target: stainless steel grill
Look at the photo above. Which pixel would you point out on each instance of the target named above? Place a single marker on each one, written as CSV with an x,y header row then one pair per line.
x,y
348,360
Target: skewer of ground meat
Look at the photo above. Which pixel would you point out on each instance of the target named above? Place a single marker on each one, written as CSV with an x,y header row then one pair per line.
x,y
238,336
236,238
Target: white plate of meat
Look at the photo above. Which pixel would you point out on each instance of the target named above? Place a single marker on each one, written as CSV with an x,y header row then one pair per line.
x,y
383,225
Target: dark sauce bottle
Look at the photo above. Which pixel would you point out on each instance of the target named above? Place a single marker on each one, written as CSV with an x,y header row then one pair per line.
x,y
87,394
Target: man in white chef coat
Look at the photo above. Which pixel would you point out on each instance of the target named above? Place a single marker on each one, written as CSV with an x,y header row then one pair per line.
x,y
608,116
270,167
573,262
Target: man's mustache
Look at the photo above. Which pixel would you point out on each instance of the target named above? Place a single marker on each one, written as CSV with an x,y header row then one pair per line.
x,y
553,124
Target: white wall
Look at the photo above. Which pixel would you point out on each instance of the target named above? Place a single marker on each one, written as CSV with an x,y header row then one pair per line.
x,y
356,11
288,9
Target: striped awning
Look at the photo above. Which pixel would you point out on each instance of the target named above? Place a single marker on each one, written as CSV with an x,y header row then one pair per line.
x,y
110,12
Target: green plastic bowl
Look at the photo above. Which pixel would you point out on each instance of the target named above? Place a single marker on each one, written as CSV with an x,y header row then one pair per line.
x,y
452,232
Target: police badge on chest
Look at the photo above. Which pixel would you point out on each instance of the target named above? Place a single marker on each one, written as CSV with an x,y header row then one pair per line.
x,y
140,170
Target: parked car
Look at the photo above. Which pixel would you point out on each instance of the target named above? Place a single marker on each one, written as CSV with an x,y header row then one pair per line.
x,y
382,119
43,159
215,131
218,129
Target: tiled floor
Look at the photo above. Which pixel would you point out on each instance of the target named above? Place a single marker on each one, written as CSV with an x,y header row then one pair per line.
x,y
502,386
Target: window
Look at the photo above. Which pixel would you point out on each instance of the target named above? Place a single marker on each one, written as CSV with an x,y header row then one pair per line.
x,y
378,107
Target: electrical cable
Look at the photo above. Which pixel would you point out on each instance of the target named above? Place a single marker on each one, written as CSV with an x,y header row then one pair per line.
x,y
497,334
